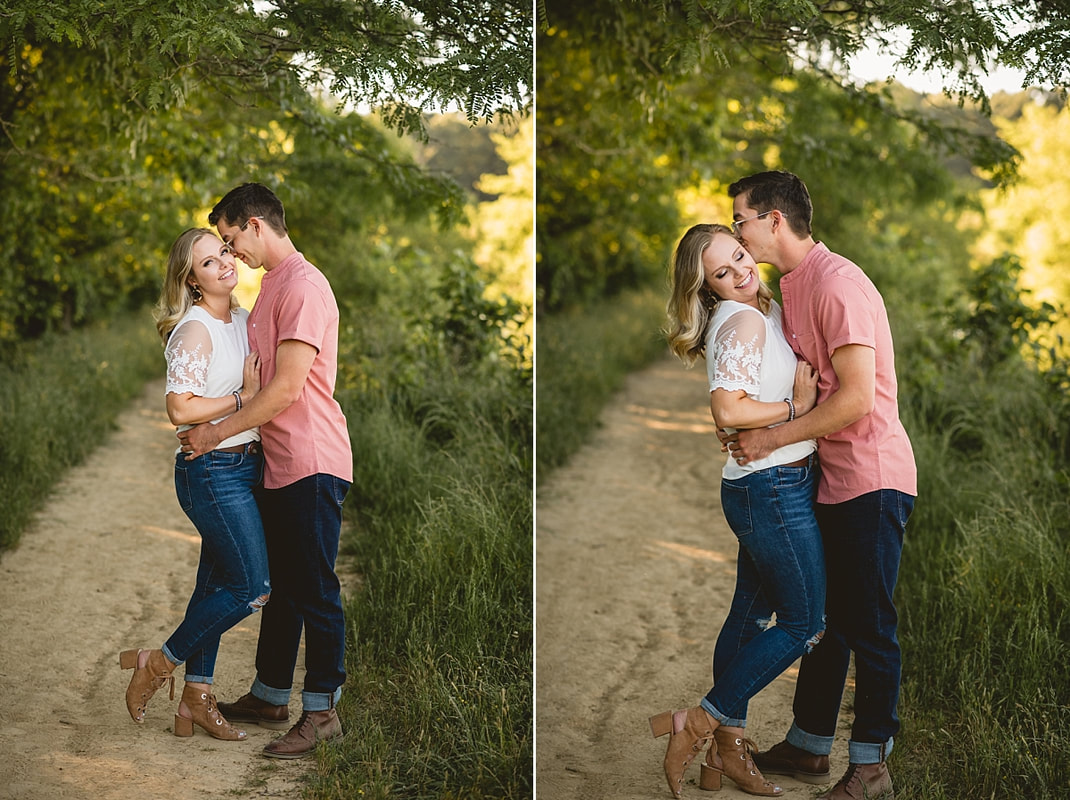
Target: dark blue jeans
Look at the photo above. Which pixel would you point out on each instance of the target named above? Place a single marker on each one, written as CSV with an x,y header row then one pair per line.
x,y
780,569
302,525
863,544
216,492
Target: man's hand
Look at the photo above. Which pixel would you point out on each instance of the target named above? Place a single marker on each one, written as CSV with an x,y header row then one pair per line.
x,y
199,440
749,445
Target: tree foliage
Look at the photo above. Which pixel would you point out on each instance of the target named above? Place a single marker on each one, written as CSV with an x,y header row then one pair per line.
x,y
122,122
406,58
639,99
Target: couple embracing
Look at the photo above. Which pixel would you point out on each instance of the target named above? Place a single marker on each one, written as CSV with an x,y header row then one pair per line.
x,y
261,471
818,486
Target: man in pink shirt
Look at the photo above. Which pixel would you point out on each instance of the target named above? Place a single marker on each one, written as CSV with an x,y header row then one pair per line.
x,y
835,319
308,471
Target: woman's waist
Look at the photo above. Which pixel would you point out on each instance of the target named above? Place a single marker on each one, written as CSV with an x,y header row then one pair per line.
x,y
797,454
231,444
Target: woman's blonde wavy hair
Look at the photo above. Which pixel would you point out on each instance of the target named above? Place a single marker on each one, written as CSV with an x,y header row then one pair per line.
x,y
176,297
691,302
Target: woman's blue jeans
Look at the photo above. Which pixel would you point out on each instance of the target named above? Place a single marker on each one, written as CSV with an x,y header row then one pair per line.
x,y
216,492
781,570
302,526
863,545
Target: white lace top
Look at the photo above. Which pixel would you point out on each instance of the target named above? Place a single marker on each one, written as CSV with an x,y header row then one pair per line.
x,y
746,350
205,357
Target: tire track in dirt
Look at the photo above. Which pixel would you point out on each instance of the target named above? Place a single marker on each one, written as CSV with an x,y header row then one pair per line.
x,y
109,563
635,568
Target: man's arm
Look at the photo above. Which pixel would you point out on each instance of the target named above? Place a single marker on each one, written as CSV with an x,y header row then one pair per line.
x,y
293,361
855,366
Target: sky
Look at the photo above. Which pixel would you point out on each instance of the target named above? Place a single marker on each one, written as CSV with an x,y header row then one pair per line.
x,y
871,64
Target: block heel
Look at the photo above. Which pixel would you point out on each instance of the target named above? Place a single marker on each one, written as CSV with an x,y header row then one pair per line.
x,y
183,726
660,724
710,778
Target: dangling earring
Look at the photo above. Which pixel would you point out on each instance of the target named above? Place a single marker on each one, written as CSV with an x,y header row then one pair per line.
x,y
709,300
195,290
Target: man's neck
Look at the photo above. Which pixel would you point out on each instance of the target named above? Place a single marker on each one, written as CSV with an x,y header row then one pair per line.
x,y
793,252
278,251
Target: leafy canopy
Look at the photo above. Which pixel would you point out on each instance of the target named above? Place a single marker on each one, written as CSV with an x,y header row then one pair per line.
x,y
404,58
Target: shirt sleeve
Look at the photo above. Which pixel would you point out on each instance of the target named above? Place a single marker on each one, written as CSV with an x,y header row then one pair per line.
x,y
845,313
302,315
734,353
188,354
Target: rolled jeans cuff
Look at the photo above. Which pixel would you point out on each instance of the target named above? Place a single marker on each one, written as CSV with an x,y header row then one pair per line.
x,y
811,743
271,696
728,722
320,701
169,655
867,752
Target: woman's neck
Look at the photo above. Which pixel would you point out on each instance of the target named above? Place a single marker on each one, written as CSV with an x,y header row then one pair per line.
x,y
218,307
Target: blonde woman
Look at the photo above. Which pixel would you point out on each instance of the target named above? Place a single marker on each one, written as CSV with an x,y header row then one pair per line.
x,y
720,309
210,374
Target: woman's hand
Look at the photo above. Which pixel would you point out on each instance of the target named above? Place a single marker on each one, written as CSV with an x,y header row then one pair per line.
x,y
805,391
250,377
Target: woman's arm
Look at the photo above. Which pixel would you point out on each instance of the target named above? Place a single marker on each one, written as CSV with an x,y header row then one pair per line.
x,y
190,409
735,350
734,409
187,408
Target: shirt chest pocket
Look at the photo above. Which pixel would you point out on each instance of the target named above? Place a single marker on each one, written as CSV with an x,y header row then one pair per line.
x,y
805,345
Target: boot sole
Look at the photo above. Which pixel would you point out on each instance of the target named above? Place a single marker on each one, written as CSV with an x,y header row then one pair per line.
x,y
286,756
293,756
274,725
813,778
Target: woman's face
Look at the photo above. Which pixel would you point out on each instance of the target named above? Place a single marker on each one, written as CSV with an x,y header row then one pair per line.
x,y
730,271
213,270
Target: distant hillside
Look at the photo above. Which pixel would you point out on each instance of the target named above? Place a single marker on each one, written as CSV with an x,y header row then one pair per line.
x,y
461,151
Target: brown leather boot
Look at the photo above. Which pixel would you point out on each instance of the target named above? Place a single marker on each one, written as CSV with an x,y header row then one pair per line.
x,y
787,759
148,677
734,752
862,782
689,731
311,727
250,708
203,711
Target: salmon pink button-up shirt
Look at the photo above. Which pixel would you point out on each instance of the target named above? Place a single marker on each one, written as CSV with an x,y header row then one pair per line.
x,y
310,437
828,303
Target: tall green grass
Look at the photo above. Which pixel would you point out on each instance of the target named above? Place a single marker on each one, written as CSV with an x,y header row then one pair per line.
x,y
985,589
59,397
439,699
582,358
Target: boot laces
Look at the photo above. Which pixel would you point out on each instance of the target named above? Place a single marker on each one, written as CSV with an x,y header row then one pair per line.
x,y
853,783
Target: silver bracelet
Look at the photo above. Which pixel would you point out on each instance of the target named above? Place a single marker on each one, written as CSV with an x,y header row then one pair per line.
x,y
237,401
791,408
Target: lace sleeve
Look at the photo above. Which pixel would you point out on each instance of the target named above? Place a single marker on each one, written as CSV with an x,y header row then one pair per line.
x,y
736,353
188,354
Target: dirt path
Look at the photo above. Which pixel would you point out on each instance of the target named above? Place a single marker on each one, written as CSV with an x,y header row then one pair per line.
x,y
635,569
109,564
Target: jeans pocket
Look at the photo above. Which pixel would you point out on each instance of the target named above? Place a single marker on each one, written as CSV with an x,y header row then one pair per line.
x,y
904,507
182,489
735,502
790,477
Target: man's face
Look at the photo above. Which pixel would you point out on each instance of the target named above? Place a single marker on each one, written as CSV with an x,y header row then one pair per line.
x,y
753,227
242,240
